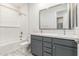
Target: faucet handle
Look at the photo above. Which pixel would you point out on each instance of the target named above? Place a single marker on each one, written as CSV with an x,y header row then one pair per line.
x,y
21,32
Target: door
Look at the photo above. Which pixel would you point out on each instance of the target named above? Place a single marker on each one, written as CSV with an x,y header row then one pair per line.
x,y
59,50
36,47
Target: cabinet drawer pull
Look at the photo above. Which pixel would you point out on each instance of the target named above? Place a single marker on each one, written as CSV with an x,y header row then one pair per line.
x,y
54,47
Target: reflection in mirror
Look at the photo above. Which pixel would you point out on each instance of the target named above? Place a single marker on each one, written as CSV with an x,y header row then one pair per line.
x,y
59,22
61,16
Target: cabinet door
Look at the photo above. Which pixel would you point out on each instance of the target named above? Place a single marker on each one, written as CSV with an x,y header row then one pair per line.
x,y
46,54
36,47
59,50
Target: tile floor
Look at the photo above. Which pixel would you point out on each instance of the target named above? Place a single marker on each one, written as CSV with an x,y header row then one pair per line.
x,y
19,52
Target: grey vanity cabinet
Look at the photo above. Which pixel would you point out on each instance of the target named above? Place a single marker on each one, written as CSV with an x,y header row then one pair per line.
x,y
50,46
47,46
59,50
64,47
36,47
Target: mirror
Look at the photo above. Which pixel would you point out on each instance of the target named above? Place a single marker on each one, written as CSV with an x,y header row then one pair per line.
x,y
61,16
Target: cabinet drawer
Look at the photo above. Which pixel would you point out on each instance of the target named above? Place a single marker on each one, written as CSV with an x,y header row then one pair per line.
x,y
64,42
47,49
46,54
36,37
46,44
47,39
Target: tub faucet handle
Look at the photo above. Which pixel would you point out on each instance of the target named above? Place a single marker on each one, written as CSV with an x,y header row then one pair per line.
x,y
21,32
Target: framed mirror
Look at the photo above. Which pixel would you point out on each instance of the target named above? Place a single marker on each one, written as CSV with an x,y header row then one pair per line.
x,y
58,17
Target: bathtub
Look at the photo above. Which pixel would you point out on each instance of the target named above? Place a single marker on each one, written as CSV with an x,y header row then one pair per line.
x,y
12,46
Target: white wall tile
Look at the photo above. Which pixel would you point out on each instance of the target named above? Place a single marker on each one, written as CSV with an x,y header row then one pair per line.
x,y
12,23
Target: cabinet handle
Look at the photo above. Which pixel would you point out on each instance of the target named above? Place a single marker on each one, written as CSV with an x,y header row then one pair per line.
x,y
54,50
54,47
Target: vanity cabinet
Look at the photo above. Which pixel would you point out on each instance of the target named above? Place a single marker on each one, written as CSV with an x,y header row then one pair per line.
x,y
60,50
47,46
64,47
51,46
36,47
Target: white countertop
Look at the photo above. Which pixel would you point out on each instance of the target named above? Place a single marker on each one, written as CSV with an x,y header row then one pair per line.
x,y
70,37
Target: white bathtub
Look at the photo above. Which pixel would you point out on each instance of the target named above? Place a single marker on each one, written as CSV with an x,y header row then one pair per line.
x,y
11,46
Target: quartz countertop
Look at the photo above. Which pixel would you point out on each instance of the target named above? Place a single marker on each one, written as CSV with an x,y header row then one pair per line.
x,y
70,37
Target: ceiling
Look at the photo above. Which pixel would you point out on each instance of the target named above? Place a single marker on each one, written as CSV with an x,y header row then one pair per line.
x,y
18,5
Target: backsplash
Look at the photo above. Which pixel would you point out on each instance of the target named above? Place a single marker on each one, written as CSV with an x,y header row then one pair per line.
x,y
53,31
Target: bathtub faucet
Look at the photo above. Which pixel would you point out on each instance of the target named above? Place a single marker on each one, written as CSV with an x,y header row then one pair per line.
x,y
21,35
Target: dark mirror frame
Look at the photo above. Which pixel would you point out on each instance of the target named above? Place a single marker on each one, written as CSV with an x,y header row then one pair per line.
x,y
72,25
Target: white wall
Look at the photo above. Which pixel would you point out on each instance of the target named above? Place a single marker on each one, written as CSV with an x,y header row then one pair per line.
x,y
34,20
24,21
27,23
12,23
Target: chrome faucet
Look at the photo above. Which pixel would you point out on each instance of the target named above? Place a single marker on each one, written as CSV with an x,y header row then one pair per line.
x,y
21,35
64,32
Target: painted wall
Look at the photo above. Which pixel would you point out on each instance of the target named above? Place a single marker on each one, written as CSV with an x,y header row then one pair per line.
x,y
34,20
24,21
12,23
